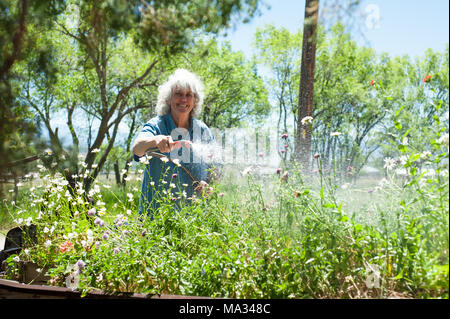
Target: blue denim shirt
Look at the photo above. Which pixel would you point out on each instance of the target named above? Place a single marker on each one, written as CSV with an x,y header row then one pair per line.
x,y
157,171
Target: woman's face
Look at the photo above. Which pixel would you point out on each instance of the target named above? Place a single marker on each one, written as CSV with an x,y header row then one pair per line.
x,y
182,102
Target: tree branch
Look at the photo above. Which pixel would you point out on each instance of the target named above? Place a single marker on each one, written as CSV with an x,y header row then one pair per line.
x,y
124,91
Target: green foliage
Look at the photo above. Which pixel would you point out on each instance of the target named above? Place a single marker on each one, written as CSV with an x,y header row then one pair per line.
x,y
20,23
279,51
173,25
423,108
356,93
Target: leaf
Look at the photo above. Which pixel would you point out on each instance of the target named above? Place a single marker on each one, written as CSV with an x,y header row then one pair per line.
x,y
399,276
399,110
402,148
442,269
414,157
394,236
150,271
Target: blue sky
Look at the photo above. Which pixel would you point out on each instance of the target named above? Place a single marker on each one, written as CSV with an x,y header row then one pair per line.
x,y
403,26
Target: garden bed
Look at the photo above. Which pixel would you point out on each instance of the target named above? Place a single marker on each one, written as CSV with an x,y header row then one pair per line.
x,y
10,289
31,284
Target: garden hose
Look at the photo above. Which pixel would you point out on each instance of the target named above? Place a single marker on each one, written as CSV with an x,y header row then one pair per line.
x,y
154,152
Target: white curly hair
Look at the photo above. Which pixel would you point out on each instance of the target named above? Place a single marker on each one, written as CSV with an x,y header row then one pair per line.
x,y
182,79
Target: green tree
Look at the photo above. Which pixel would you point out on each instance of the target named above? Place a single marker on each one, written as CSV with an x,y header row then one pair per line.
x,y
20,23
278,52
175,24
349,109
423,100
347,101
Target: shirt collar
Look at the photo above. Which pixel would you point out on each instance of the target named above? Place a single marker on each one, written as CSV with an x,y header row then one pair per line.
x,y
170,124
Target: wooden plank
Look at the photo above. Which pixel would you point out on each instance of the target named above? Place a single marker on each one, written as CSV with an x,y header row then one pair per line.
x,y
10,289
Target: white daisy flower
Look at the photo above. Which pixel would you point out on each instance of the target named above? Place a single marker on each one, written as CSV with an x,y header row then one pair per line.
x,y
389,163
307,119
177,162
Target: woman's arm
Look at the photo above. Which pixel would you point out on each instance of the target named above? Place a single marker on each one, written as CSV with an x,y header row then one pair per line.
x,y
162,142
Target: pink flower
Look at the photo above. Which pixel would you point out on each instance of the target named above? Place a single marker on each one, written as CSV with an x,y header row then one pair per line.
x,y
99,221
65,246
285,176
174,176
317,155
278,170
261,154
285,135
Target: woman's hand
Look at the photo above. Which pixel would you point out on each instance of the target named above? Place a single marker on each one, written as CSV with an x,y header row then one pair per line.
x,y
164,143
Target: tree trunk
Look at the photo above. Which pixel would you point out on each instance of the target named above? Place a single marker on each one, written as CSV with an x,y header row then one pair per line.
x,y
17,40
128,147
305,101
117,172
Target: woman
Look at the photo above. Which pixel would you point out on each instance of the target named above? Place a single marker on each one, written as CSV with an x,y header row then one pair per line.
x,y
179,103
